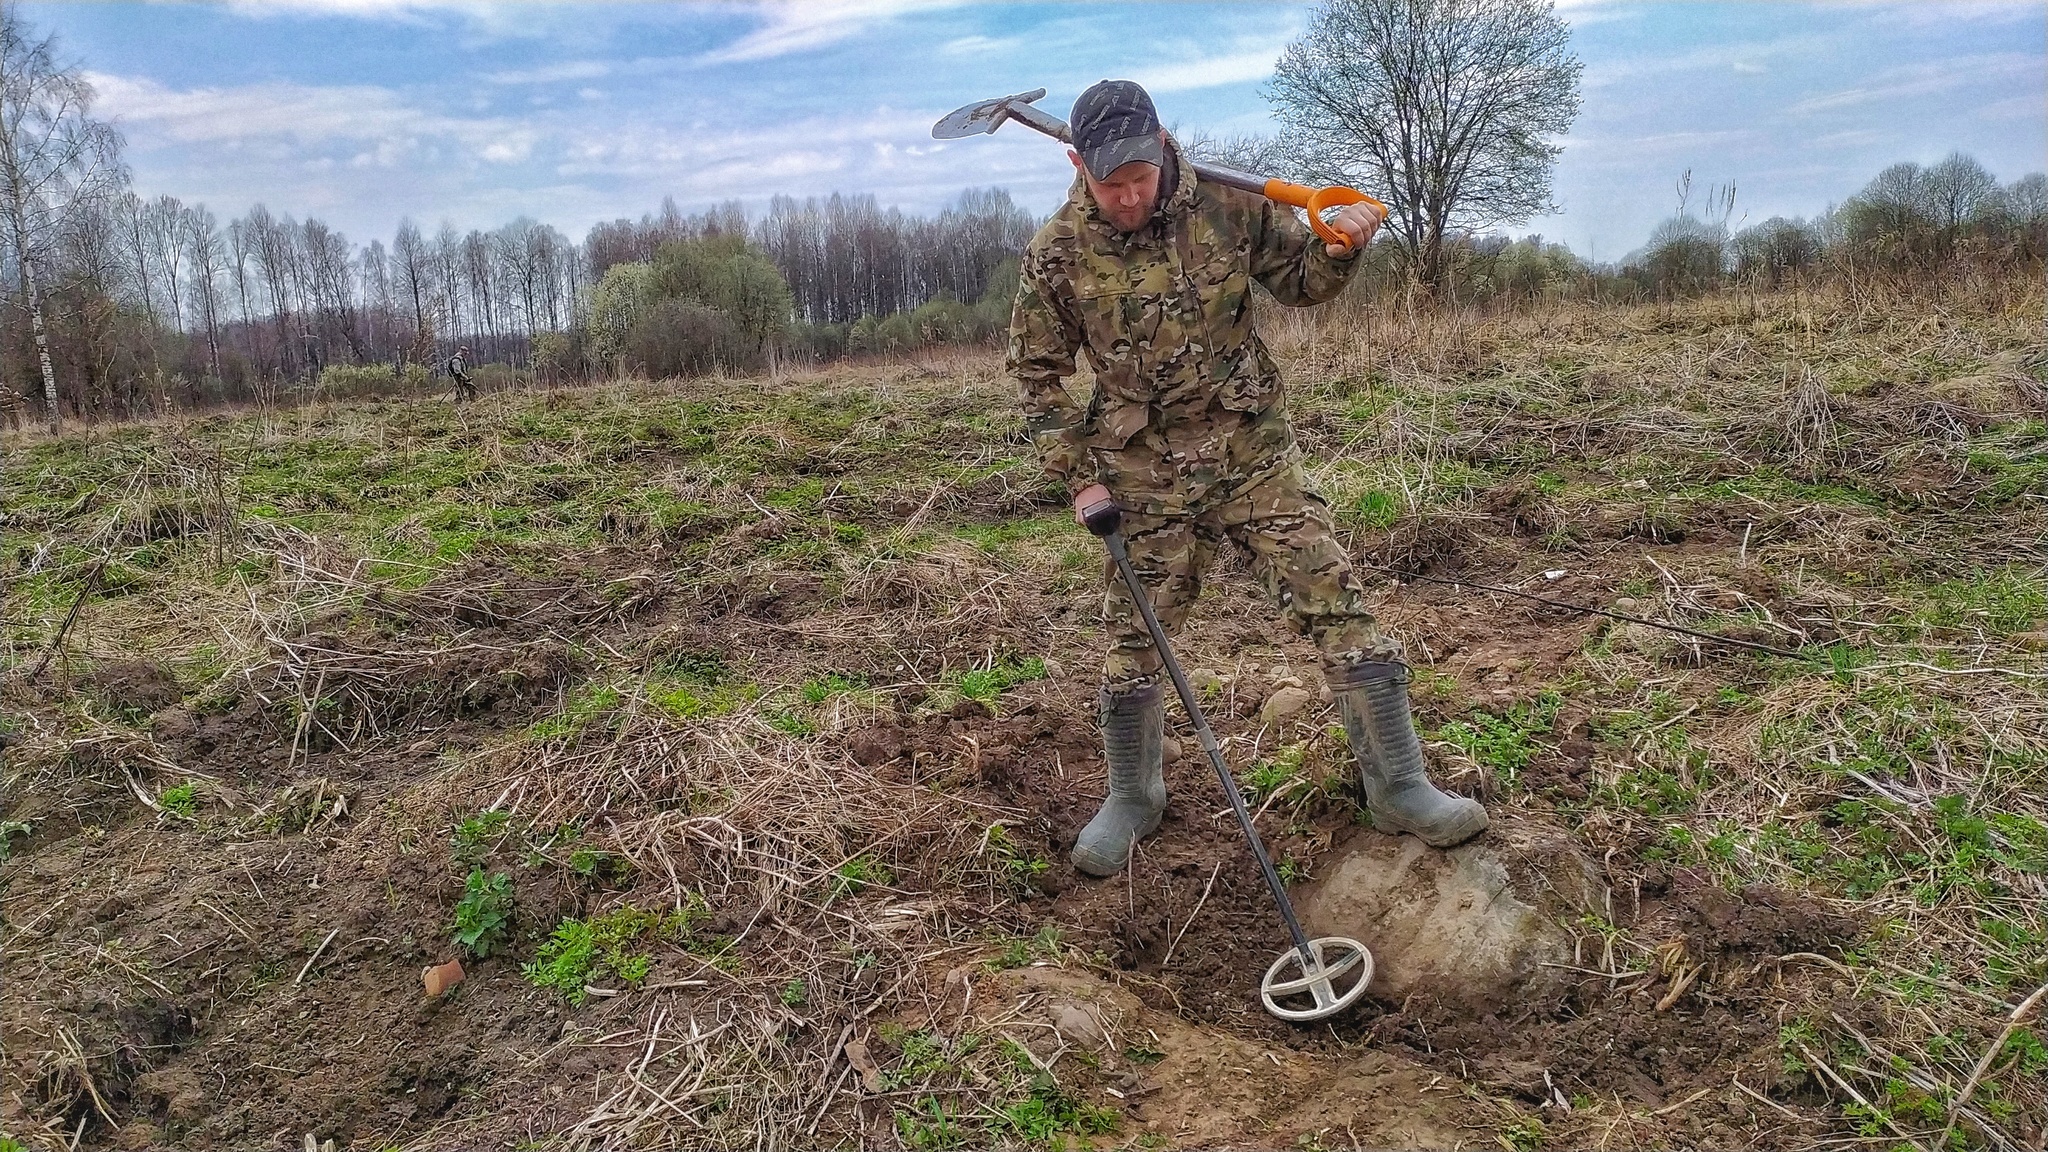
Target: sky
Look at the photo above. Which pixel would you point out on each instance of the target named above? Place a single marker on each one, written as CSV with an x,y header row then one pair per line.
x,y
474,112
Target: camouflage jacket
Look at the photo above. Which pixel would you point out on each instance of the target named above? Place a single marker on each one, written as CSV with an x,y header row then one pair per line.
x,y
1187,406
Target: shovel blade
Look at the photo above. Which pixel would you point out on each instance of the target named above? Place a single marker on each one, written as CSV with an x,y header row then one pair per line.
x,y
984,117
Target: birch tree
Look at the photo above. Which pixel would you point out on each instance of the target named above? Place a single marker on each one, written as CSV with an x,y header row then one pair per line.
x,y
54,157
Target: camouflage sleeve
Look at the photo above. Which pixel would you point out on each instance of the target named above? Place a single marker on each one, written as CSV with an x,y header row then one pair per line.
x,y
1289,259
1044,340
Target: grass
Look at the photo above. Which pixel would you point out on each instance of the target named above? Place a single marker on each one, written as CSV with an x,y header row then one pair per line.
x,y
580,951
986,684
857,875
181,800
1505,742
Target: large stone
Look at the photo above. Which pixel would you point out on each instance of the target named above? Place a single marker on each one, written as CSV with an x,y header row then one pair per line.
x,y
1284,702
1459,924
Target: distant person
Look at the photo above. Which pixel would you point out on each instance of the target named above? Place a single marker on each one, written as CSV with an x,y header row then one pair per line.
x,y
1148,271
458,370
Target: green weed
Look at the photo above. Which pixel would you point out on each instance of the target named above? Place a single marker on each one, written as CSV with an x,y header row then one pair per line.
x,y
2002,602
581,951
2026,1052
985,684
476,835
1505,742
483,913
1275,772
1020,868
181,801
1377,509
597,864
9,829
857,874
823,688
1050,1113
929,1128
1019,951
790,722
1523,1135
583,707
1794,1040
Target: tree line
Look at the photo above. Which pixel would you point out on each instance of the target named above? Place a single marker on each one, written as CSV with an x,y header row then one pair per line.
x,y
119,304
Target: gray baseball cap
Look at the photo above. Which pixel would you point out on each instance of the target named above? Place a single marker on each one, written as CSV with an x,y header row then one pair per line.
x,y
1113,124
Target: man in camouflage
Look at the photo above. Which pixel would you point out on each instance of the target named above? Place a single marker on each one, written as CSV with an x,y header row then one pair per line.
x,y
1149,272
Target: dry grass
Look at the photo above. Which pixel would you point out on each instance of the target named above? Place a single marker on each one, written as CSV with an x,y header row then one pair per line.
x,y
498,610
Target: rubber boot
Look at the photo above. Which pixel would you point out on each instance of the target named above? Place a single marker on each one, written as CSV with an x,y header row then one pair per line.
x,y
1133,727
1373,696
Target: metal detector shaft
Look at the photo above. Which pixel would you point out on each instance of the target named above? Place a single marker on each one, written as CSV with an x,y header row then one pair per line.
x,y
1122,556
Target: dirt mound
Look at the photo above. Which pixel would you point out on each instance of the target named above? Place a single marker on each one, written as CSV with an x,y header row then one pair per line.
x,y
134,686
1205,1089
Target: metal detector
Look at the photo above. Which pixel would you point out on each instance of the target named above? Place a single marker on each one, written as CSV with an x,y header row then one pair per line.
x,y
1303,983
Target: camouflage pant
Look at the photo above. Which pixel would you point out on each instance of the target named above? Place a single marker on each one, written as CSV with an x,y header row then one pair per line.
x,y
1295,555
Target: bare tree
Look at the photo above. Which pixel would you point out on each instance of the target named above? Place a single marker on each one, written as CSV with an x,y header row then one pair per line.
x,y
138,230
1958,189
415,281
203,245
275,250
1443,108
53,156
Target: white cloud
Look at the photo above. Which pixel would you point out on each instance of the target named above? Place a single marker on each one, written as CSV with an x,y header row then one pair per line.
x,y
794,26
553,73
2015,108
377,123
979,45
1212,71
1946,14
1854,138
1923,80
1749,68
1741,57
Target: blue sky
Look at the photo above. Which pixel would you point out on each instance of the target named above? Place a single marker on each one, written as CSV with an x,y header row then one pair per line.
x,y
474,112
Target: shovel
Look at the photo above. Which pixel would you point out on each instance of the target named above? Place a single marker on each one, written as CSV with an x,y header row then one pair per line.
x,y
989,115
1303,984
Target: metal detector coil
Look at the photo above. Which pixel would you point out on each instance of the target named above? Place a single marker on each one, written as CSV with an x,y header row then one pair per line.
x,y
1312,995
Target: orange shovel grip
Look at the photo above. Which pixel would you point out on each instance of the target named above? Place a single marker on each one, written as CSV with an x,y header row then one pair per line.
x,y
1317,199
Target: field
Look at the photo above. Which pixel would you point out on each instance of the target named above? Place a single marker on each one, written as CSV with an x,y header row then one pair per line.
x,y
733,733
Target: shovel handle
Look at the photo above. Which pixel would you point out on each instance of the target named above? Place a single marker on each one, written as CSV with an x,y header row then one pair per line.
x,y
1317,199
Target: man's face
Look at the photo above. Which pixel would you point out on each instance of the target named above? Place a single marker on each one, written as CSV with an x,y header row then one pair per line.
x,y
1127,197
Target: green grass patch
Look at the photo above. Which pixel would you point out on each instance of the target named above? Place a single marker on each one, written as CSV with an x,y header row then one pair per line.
x,y
2001,602
584,706
1505,742
857,875
181,801
580,952
986,684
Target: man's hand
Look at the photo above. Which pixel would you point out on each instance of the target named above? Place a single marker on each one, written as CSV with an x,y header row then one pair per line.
x,y
1087,498
1095,509
1358,221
